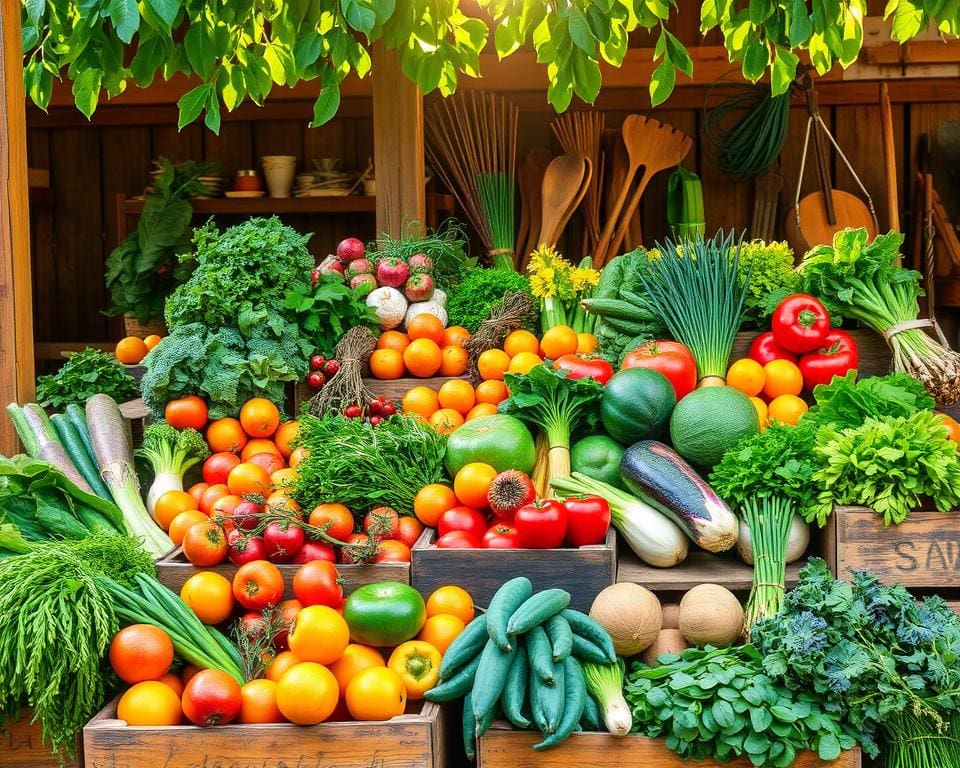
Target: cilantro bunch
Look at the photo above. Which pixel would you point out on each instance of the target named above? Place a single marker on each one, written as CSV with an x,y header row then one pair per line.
x,y
84,375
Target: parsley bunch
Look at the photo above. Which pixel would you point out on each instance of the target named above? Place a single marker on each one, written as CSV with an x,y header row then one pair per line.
x,y
84,375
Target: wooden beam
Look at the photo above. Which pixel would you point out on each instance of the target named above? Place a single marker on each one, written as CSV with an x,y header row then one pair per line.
x,y
16,305
397,144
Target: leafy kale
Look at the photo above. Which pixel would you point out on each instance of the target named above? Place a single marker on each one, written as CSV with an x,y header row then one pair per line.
x,y
469,304
771,272
85,374
846,402
328,310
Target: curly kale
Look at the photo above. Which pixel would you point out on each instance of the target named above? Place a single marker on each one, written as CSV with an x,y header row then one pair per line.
x,y
469,304
85,374
772,273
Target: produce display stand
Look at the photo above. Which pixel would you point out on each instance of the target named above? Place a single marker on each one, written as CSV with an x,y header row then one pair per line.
x,y
413,739
504,747
583,572
22,746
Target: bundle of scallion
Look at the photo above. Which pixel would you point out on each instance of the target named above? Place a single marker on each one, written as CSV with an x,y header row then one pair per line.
x,y
698,289
865,282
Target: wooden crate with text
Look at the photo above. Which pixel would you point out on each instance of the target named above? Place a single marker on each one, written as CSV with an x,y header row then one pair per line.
x,y
22,746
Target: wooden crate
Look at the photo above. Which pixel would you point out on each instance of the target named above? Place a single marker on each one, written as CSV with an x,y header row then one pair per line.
x,y
583,572
504,747
414,739
393,389
22,746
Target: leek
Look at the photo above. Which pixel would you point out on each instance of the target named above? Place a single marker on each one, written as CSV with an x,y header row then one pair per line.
x,y
605,684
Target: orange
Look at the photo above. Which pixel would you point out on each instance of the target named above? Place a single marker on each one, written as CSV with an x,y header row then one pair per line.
x,y
587,343
308,693
284,478
298,455
141,652
286,434
376,693
259,703
523,362
172,679
152,340
953,427
209,595
492,391
458,395
432,501
280,664
422,401
762,411
748,376
480,410
387,364
446,420
520,341
259,417
171,504
393,340
558,341
248,478
319,634
131,350
182,522
423,356
782,378
226,435
453,360
472,482
355,659
441,630
492,364
786,408
259,445
150,703
425,326
455,601
455,336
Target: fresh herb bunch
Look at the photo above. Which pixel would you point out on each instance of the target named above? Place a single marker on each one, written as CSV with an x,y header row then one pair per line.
x,y
888,663
145,268
251,265
771,272
768,477
846,402
328,310
362,466
447,247
85,374
479,291
720,704
888,464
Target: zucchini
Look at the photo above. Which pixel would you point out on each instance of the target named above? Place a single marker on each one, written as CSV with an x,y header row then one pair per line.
x,y
78,418
590,719
561,637
77,452
588,629
549,700
539,654
575,695
457,686
515,690
536,610
661,477
616,309
584,650
503,605
465,647
469,726
490,678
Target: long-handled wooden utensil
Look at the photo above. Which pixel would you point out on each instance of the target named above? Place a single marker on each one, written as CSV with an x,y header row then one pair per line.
x,y
564,185
532,168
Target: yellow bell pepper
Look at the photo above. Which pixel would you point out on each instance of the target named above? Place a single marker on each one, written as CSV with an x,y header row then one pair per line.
x,y
418,663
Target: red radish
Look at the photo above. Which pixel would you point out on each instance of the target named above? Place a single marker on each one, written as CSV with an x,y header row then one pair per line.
x,y
419,287
283,541
368,282
359,267
508,492
315,276
316,380
374,408
420,264
392,272
245,550
388,409
376,421
317,362
350,249
315,550
353,412
333,267
331,368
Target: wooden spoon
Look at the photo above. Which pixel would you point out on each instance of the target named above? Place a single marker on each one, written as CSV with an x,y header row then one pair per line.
x,y
632,132
563,189
616,173
532,168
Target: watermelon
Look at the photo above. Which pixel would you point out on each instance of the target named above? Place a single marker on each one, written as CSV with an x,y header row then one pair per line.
x,y
636,405
503,442
709,421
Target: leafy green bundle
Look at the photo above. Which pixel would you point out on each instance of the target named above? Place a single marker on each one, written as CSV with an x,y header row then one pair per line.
x,y
469,304
85,374
447,246
721,704
846,402
772,276
884,661
327,310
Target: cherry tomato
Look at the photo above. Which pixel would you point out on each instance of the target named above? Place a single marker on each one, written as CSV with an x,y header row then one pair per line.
x,y
211,697
186,412
283,541
381,523
467,519
205,544
500,536
335,518
356,539
392,551
315,550
409,530
210,497
244,549
217,466
318,583
588,520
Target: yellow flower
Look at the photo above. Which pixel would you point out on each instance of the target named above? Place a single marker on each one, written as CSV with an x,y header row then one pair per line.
x,y
541,287
583,277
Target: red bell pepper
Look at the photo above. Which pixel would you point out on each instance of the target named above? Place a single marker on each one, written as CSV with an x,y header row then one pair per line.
x,y
765,348
837,355
541,524
588,519
800,323
584,366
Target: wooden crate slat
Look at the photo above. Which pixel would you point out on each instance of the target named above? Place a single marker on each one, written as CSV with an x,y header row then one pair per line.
x,y
699,568
21,745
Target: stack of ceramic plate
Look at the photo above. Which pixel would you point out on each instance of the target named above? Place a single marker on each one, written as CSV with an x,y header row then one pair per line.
x,y
214,185
324,184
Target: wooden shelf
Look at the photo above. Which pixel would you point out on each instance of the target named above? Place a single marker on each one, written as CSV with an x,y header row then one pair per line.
x,y
297,205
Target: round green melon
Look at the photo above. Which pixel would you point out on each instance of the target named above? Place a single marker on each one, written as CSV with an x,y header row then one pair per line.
x,y
709,421
598,457
636,405
501,441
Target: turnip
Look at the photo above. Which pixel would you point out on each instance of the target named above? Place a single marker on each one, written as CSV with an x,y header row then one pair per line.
x,y
390,305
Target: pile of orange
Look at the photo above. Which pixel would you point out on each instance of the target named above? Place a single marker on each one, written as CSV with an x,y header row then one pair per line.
x,y
131,350
426,349
522,350
455,403
774,389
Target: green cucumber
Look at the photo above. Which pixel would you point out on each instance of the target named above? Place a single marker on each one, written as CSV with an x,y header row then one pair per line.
x,y
482,725
587,628
536,610
550,698
627,327
590,719
575,694
539,654
457,686
469,726
77,452
503,605
561,637
610,279
638,301
515,690
465,647
619,309
78,418
584,650
535,698
490,678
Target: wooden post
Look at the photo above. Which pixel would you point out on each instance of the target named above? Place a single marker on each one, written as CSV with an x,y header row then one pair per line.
x,y
16,304
398,144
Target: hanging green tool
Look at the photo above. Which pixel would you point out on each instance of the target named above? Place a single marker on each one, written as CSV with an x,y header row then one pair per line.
x,y
685,215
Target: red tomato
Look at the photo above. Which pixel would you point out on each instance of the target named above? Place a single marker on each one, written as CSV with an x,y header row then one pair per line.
x,y
218,466
500,536
542,524
381,523
837,355
336,519
287,611
467,519
358,539
392,551
318,583
186,412
764,348
246,515
315,550
585,366
671,359
457,540
210,497
283,540
252,624
588,520
258,585
269,461
211,697
196,490
800,323
245,550
223,511
205,544
409,530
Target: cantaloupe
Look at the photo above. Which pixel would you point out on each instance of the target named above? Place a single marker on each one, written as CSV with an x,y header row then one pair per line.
x,y
668,641
631,614
710,615
671,617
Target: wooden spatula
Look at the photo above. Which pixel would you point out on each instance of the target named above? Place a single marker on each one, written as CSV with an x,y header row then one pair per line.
x,y
632,136
532,168
563,188
617,165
